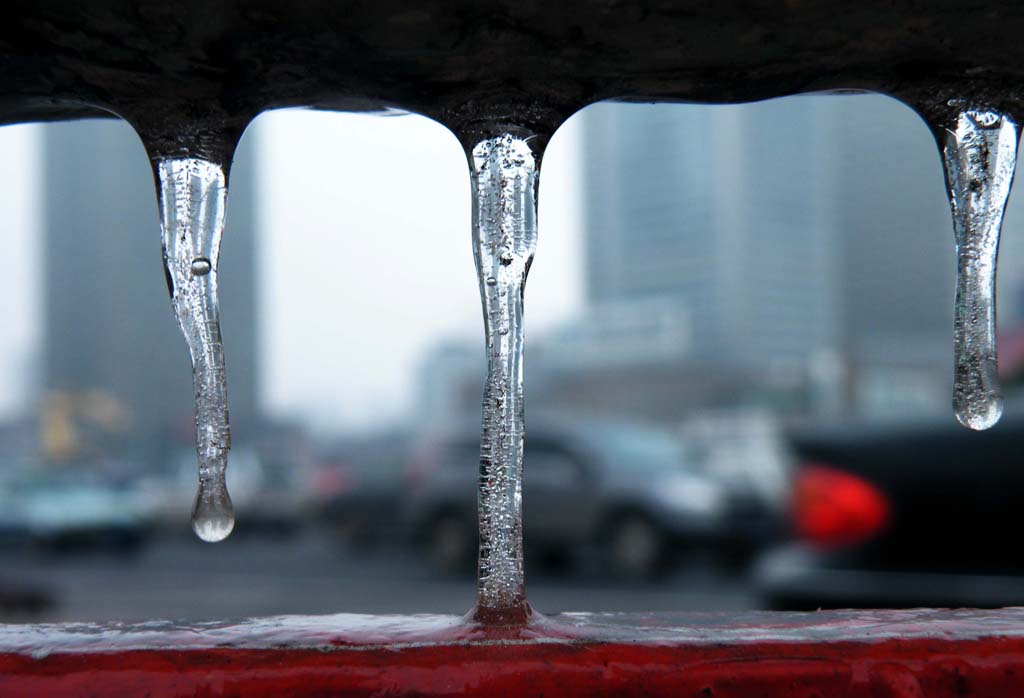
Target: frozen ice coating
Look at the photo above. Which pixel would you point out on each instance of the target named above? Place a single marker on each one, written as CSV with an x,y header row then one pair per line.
x,y
193,195
504,177
979,155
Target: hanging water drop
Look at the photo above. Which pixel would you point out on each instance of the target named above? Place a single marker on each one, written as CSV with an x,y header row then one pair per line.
x,y
504,172
213,517
979,154
193,196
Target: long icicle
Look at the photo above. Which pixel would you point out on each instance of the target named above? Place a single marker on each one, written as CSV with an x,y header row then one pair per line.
x,y
504,173
193,197
979,153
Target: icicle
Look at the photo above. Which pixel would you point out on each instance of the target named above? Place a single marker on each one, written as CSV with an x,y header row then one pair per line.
x,y
979,153
193,194
504,172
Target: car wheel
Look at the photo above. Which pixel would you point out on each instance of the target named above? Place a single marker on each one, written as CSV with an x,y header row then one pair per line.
x,y
636,548
356,537
736,560
554,560
129,544
450,544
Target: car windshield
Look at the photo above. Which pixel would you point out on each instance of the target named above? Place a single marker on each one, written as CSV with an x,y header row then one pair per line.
x,y
638,449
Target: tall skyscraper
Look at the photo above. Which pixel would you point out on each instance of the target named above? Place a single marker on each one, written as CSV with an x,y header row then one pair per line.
x,y
720,210
109,329
895,256
811,234
797,252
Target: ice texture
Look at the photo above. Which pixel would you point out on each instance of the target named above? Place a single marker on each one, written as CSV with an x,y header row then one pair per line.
x,y
979,154
504,172
193,197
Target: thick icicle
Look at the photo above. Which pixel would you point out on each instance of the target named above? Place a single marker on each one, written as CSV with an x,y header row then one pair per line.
x,y
504,172
193,196
979,153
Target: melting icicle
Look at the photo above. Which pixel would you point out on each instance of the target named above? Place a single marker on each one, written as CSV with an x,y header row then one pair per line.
x,y
504,176
979,156
193,194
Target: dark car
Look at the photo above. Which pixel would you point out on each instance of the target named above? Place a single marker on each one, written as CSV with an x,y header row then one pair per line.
x,y
911,514
633,494
359,490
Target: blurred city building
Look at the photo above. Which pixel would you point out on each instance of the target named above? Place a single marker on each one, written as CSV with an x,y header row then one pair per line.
x,y
713,211
795,255
116,372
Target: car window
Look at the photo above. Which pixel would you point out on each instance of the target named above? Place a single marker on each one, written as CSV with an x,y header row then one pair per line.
x,y
642,450
461,455
547,462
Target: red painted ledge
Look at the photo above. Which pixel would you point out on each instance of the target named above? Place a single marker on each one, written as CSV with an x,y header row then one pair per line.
x,y
932,653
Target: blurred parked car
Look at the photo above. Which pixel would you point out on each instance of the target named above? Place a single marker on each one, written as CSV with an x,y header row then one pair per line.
x,y
912,514
359,490
74,507
633,493
744,450
269,495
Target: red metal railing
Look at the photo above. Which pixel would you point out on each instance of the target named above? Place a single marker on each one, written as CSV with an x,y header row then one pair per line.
x,y
940,654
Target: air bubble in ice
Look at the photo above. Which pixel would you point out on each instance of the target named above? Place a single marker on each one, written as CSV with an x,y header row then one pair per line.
x,y
201,266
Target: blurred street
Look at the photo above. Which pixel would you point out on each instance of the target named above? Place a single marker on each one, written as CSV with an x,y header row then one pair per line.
x,y
742,401
249,575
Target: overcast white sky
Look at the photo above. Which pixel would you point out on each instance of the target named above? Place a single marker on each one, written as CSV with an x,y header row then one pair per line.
x,y
367,260
19,260
364,256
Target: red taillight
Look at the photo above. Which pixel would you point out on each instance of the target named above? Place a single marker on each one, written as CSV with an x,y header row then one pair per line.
x,y
832,508
331,480
422,462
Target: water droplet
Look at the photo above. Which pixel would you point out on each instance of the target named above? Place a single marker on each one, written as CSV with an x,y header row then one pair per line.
x,y
193,197
213,516
504,174
979,155
201,266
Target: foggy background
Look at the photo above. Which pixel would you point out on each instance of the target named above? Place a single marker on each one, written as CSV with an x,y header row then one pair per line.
x,y
726,277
